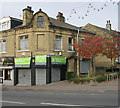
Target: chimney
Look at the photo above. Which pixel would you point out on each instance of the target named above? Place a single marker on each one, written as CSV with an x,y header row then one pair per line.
x,y
60,17
27,14
108,25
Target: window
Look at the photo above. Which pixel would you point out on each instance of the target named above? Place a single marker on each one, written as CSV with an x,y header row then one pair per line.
x,y
0,47
58,43
70,46
4,46
4,25
7,24
40,21
8,74
0,26
23,42
40,41
82,41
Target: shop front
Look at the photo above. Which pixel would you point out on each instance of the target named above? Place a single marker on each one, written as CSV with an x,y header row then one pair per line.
x,y
7,70
41,69
23,71
58,68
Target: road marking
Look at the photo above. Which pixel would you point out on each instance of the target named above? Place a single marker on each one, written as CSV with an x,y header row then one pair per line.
x,y
60,104
12,102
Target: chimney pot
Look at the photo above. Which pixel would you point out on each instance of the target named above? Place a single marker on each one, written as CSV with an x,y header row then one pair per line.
x,y
60,17
29,8
108,25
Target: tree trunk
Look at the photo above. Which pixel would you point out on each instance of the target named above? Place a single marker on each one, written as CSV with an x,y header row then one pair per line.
x,y
93,70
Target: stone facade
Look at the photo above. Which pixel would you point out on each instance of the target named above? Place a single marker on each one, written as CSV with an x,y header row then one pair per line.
x,y
45,45
101,61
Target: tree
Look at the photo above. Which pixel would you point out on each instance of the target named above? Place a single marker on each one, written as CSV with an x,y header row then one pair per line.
x,y
92,47
112,47
95,45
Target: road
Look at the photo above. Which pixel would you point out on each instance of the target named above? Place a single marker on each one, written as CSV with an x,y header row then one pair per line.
x,y
45,98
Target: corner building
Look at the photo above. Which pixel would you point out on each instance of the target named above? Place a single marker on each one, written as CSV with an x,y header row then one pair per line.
x,y
39,51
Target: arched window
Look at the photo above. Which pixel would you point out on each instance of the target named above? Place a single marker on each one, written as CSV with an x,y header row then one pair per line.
x,y
40,21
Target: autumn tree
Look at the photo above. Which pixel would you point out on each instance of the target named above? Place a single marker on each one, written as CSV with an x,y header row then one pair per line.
x,y
95,45
112,47
92,47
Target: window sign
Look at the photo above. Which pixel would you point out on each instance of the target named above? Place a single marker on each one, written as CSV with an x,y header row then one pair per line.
x,y
40,60
58,60
6,61
22,62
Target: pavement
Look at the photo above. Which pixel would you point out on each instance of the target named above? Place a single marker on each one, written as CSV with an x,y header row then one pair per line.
x,y
111,86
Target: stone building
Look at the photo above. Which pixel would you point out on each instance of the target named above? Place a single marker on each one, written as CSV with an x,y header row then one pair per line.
x,y
102,62
39,50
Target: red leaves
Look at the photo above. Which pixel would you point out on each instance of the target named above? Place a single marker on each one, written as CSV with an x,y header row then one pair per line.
x,y
95,45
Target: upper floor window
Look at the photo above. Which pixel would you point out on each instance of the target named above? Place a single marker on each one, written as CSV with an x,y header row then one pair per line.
x,y
70,42
23,42
0,47
82,41
40,41
58,43
3,45
0,26
4,25
40,21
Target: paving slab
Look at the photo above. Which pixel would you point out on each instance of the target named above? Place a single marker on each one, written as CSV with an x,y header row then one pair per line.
x,y
111,86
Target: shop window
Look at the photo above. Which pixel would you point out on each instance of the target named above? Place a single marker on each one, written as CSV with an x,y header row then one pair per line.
x,y
8,75
3,45
58,43
40,21
70,42
23,42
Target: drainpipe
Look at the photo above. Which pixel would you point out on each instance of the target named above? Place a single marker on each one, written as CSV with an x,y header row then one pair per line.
x,y
77,39
78,62
14,43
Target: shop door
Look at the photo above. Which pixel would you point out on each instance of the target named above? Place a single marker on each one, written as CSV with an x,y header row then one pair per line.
x,y
24,77
55,74
40,76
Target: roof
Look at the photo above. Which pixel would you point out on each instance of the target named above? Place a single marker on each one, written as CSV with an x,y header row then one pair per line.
x,y
104,29
54,23
12,18
16,19
57,23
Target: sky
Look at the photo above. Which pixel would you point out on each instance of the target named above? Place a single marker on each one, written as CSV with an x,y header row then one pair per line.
x,y
75,12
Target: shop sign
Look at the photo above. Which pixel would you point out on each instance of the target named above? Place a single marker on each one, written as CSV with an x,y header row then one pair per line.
x,y
22,62
58,60
6,61
40,60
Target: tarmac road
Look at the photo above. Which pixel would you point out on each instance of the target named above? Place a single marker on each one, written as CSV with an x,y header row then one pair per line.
x,y
61,98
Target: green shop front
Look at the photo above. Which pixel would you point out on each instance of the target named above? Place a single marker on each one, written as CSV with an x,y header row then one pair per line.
x,y
39,70
58,68
23,73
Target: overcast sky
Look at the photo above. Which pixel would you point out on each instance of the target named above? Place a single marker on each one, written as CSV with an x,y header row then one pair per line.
x,y
74,12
